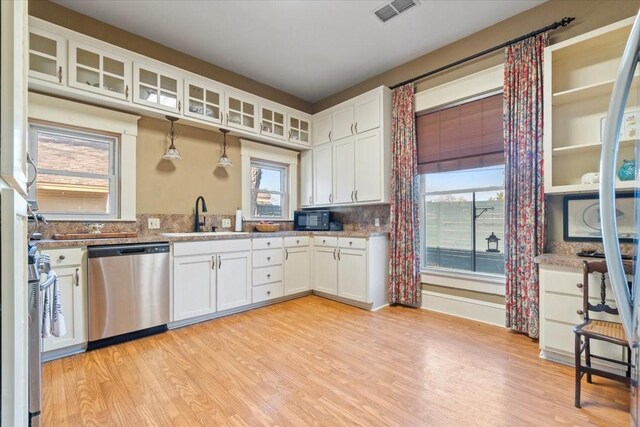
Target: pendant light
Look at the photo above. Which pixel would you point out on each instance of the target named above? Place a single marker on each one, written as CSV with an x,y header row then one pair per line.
x,y
172,152
224,159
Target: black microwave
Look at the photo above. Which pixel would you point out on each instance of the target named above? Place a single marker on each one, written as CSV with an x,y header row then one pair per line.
x,y
316,220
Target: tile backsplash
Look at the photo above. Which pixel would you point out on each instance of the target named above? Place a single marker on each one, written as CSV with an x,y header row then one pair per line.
x,y
354,218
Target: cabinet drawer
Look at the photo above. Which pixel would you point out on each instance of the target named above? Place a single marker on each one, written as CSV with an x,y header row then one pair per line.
x,y
268,243
206,247
64,257
325,241
560,336
267,258
267,275
267,292
563,308
352,243
295,241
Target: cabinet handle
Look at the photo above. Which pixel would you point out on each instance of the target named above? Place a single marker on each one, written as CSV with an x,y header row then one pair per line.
x,y
286,254
61,257
77,277
324,241
268,276
334,254
35,172
289,134
330,198
351,128
356,127
213,262
329,135
126,92
579,285
352,195
269,258
60,74
310,201
268,292
179,105
338,254
227,119
297,241
268,243
219,262
580,312
356,195
350,243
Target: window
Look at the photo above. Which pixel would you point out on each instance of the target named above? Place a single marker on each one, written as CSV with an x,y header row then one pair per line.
x,y
268,189
269,181
77,172
462,209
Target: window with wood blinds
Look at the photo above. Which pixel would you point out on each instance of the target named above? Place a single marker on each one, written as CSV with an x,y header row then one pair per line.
x,y
465,136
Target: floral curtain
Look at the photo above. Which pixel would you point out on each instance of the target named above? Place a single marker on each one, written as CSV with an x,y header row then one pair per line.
x,y
524,204
404,261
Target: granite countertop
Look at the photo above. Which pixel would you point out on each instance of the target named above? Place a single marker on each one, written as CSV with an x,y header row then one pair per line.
x,y
565,260
56,244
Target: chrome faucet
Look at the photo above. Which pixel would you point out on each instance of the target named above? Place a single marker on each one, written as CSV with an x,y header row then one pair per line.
x,y
199,224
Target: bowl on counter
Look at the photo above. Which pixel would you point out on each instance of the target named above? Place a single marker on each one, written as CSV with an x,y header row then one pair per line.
x,y
267,227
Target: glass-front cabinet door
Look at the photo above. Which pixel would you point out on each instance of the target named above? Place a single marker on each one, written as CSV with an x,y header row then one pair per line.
x,y
157,88
46,56
203,101
241,112
272,122
299,130
98,71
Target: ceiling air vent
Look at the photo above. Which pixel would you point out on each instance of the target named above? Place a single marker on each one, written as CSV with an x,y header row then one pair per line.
x,y
393,8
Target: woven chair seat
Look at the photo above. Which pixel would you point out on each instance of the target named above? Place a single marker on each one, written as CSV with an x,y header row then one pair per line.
x,y
605,329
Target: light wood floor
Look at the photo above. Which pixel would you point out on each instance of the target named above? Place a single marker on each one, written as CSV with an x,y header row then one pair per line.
x,y
316,362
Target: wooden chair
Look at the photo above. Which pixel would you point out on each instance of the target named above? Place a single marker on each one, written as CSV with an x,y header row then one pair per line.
x,y
611,332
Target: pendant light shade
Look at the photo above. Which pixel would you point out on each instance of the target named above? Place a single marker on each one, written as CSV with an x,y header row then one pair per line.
x,y
224,159
172,152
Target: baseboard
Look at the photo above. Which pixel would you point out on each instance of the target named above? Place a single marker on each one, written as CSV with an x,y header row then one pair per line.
x,y
481,311
347,301
63,352
569,360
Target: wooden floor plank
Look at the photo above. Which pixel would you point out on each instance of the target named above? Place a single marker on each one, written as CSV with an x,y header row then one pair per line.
x,y
317,362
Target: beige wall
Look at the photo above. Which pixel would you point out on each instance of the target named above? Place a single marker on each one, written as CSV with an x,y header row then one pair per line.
x,y
171,187
68,18
589,14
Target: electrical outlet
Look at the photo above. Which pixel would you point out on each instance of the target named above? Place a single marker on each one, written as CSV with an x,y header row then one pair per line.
x,y
153,223
226,223
376,222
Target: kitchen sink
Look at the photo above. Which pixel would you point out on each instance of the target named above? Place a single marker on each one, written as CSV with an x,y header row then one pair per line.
x,y
205,233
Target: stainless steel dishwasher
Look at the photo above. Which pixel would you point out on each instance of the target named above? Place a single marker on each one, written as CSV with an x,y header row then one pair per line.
x,y
128,292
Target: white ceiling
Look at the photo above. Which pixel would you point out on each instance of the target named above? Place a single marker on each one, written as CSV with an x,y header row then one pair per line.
x,y
307,48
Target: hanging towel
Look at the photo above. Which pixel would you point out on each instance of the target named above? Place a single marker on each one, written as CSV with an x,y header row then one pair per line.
x,y
52,317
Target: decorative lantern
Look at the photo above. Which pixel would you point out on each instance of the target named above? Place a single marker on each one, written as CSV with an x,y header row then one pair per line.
x,y
492,243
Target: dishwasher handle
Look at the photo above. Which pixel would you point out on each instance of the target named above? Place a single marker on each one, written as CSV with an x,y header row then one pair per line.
x,y
132,251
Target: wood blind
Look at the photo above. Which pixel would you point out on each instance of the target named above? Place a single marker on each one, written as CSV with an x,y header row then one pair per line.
x,y
462,137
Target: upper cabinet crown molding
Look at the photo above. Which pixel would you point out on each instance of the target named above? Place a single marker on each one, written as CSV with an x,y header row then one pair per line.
x,y
96,72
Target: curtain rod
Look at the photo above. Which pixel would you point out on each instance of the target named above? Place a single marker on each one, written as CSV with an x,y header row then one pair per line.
x,y
562,23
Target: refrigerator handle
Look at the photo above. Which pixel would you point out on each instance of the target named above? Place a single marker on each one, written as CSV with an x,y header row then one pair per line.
x,y
610,142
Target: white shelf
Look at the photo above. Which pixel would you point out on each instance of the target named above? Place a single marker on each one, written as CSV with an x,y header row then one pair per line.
x,y
588,188
585,148
589,91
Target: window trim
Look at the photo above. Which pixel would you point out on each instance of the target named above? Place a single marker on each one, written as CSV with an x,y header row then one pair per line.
x,y
259,151
113,175
284,196
65,113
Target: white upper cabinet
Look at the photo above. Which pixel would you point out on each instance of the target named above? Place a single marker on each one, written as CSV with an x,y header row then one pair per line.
x,y
157,88
203,101
272,121
367,113
322,173
47,56
322,129
368,167
306,178
97,71
241,112
343,171
359,133
342,122
299,130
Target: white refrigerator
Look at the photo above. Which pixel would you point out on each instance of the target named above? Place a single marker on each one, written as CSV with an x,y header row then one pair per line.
x,y
627,300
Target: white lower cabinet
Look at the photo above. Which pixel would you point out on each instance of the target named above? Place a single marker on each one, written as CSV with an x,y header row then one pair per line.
x,y
560,301
352,274
210,276
325,270
267,269
70,266
297,266
234,272
194,286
